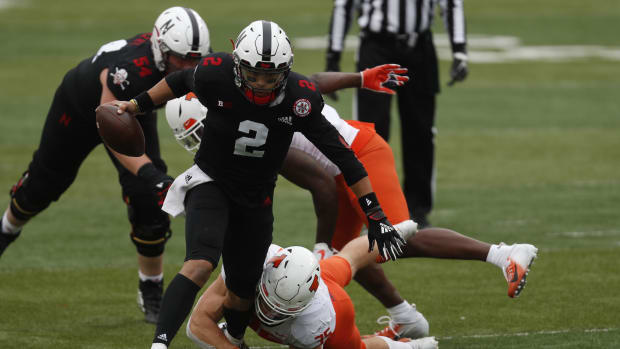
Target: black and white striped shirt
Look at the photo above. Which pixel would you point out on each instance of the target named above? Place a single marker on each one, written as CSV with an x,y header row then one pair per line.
x,y
402,18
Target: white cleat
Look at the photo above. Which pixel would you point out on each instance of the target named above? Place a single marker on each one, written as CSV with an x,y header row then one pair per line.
x,y
418,328
517,267
421,343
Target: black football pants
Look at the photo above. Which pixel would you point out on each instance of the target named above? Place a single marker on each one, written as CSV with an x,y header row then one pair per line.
x,y
66,141
216,226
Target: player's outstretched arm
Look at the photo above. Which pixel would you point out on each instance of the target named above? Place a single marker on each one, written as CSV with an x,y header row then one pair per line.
x,y
381,79
202,327
147,100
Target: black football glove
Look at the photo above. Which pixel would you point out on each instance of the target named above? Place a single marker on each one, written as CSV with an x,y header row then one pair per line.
x,y
157,180
459,69
380,229
332,64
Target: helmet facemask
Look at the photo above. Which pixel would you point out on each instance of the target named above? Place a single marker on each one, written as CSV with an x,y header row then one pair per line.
x,y
191,138
247,77
288,284
267,312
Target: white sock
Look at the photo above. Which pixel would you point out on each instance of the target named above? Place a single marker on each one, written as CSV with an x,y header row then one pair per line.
x,y
498,254
393,344
8,227
159,346
402,313
154,278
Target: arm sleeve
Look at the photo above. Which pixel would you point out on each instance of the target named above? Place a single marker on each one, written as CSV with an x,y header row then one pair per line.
x,y
454,20
342,16
327,139
181,82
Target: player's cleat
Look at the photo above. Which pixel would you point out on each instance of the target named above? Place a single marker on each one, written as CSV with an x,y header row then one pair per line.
x,y
6,239
149,299
517,267
418,328
421,343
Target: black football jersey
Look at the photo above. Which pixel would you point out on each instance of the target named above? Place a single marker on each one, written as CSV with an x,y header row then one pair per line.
x,y
244,145
131,70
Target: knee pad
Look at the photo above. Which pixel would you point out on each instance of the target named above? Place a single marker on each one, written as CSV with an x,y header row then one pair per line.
x,y
26,202
150,227
150,240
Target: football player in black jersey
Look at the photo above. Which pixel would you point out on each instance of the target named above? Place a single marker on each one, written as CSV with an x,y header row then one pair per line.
x,y
119,70
255,104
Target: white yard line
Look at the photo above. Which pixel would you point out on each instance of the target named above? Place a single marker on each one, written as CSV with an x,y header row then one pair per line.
x,y
7,3
525,334
518,334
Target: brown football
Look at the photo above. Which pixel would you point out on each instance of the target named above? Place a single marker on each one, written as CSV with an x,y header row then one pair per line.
x,y
121,132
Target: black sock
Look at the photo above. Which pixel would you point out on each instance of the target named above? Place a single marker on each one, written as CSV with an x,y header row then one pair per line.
x,y
175,306
236,321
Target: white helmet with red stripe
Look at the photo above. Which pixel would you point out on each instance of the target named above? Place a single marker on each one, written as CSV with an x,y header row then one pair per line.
x,y
185,116
288,283
179,31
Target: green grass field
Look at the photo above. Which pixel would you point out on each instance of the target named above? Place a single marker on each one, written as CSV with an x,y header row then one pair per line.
x,y
527,151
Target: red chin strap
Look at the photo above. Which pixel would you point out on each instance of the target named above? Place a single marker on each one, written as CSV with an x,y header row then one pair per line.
x,y
249,94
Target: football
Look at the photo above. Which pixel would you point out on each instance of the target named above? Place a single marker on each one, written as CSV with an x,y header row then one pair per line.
x,y
121,132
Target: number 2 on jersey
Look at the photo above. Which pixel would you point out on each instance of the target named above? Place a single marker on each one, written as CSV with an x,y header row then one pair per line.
x,y
242,143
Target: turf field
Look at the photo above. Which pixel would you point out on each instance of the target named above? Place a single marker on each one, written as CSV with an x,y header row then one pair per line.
x,y
528,150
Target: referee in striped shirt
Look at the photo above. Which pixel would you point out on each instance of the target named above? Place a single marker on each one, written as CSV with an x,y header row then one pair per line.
x,y
398,31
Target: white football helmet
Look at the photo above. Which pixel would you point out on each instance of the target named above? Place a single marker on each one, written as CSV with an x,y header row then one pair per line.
x,y
263,48
185,116
288,284
182,32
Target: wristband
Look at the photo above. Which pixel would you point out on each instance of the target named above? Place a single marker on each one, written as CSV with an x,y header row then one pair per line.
x,y
135,103
143,102
148,172
369,203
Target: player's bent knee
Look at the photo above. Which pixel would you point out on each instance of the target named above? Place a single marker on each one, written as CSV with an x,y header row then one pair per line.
x,y
197,270
26,203
150,240
150,225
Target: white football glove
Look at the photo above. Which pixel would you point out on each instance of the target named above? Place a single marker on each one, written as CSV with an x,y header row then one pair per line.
x,y
322,251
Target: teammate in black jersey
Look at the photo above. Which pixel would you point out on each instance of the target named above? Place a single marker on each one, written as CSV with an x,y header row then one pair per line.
x,y
119,70
255,104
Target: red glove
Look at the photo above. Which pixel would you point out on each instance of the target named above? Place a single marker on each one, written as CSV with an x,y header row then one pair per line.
x,y
375,78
